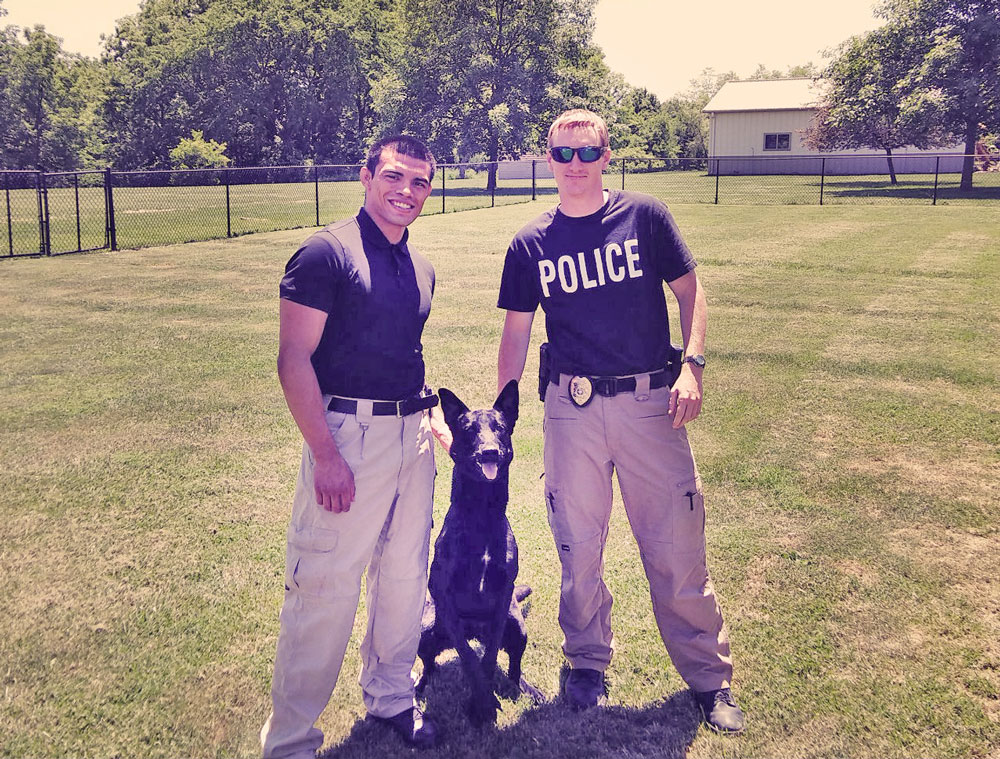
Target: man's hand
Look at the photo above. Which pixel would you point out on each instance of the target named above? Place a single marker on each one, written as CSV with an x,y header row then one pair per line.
x,y
334,484
685,396
441,430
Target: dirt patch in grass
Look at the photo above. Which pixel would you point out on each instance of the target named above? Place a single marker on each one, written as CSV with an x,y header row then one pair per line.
x,y
954,557
972,476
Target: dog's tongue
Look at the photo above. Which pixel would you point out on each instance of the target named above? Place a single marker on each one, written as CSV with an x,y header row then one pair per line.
x,y
490,471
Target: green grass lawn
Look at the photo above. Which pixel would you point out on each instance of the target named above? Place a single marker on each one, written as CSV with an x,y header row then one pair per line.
x,y
849,444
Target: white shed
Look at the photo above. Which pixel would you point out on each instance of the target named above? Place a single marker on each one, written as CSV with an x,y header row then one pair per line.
x,y
522,168
767,118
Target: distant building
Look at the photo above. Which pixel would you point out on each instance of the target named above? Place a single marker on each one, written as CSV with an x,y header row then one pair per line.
x,y
769,118
521,168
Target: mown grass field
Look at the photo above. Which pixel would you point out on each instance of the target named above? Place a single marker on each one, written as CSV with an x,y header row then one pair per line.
x,y
850,447
146,216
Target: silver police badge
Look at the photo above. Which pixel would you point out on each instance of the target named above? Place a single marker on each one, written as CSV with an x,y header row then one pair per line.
x,y
581,390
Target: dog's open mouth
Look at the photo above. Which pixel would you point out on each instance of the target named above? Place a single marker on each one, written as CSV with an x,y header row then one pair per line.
x,y
490,469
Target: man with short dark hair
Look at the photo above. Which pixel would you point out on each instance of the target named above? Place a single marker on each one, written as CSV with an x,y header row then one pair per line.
x,y
354,300
615,403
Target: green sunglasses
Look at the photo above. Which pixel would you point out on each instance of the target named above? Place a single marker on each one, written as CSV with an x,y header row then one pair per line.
x,y
587,154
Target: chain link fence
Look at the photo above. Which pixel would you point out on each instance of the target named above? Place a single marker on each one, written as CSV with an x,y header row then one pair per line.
x,y
810,180
54,213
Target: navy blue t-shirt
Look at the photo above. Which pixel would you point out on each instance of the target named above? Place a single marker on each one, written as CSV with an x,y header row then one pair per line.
x,y
377,296
599,280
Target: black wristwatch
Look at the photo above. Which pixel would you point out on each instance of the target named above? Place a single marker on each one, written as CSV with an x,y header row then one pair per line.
x,y
698,360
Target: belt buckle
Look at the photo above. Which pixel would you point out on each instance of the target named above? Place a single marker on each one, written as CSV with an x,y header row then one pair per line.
x,y
606,386
581,390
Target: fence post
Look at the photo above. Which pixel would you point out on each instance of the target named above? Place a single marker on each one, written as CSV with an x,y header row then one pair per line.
x,y
109,205
76,194
43,217
533,162
822,179
717,171
937,167
493,187
316,184
229,223
10,229
442,189
624,161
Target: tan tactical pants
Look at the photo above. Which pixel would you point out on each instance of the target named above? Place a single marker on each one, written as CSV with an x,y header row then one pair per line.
x,y
386,530
665,506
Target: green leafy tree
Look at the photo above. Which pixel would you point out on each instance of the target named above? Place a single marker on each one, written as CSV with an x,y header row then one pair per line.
x,y
954,85
8,119
643,127
864,105
478,74
43,119
195,152
928,78
279,81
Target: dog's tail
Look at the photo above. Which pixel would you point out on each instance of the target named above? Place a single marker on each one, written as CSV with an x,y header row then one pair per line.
x,y
521,592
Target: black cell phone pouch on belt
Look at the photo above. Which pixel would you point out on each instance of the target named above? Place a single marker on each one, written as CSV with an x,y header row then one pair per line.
x,y
674,355
544,369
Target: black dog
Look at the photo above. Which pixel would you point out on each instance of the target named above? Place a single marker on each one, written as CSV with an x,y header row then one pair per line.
x,y
471,582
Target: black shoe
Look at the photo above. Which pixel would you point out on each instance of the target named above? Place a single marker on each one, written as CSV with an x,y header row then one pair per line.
x,y
720,711
584,688
413,727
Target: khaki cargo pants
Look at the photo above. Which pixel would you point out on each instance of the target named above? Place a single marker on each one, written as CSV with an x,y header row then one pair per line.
x,y
632,435
386,530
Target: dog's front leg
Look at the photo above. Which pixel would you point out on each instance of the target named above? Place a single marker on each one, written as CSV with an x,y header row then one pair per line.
x,y
483,704
497,625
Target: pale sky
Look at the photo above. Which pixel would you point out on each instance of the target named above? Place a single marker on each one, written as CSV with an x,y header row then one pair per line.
x,y
657,44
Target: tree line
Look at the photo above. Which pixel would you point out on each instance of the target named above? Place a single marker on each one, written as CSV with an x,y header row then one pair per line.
x,y
191,83
194,83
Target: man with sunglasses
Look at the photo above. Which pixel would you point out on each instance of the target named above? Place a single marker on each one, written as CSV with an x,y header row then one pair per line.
x,y
616,401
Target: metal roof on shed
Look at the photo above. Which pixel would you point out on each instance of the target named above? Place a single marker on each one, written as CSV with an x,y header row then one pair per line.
x,y
766,95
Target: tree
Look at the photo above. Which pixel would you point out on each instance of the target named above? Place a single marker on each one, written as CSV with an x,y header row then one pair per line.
x,y
279,81
195,152
954,85
478,74
804,70
864,105
643,128
8,53
43,118
928,78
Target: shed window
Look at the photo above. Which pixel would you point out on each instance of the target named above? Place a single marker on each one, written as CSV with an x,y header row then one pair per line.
x,y
778,141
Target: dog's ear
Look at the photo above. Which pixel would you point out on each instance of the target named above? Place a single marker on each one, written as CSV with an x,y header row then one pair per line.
x,y
507,402
451,406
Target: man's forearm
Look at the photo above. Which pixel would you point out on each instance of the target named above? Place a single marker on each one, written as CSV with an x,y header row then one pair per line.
x,y
693,310
511,358
305,402
513,349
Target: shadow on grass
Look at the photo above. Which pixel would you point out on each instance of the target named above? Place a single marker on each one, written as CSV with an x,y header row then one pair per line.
x,y
549,730
907,190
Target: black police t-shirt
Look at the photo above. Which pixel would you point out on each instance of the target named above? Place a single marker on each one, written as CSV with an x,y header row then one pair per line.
x,y
377,297
599,280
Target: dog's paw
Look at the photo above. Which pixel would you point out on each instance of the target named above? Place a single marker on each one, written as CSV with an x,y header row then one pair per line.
x,y
421,685
483,710
531,691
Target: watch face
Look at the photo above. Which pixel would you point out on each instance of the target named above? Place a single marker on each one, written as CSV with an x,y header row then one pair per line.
x,y
698,360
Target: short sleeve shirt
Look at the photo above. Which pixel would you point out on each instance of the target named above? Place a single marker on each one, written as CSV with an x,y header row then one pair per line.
x,y
377,296
599,280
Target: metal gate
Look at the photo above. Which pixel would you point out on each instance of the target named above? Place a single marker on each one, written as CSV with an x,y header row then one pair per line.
x,y
47,214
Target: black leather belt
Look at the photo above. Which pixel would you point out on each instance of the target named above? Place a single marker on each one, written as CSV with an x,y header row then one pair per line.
x,y
609,387
404,407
